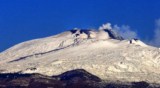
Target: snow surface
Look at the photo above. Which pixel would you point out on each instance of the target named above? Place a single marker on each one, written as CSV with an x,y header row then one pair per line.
x,y
108,57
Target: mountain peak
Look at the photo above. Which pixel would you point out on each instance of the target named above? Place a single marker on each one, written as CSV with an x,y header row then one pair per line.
x,y
93,34
100,52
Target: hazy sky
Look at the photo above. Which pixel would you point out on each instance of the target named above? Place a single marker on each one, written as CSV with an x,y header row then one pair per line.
x,y
22,20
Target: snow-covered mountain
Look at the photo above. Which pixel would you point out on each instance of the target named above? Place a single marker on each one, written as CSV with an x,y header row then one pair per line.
x,y
102,53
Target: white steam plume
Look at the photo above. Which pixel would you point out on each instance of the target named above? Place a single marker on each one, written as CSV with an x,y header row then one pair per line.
x,y
124,30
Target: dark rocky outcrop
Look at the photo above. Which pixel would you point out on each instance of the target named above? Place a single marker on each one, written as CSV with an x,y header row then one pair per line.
x,y
72,79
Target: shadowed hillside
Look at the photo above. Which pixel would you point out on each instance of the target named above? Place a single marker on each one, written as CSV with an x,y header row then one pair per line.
x,y
72,79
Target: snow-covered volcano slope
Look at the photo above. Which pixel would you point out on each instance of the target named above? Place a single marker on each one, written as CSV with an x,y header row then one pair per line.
x,y
102,53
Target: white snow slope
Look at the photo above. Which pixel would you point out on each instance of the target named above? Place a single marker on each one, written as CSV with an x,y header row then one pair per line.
x,y
101,53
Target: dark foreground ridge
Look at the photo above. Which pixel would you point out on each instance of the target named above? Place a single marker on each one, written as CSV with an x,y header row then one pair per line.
x,y
72,79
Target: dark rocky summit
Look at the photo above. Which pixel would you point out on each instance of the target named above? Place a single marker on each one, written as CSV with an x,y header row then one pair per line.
x,y
72,79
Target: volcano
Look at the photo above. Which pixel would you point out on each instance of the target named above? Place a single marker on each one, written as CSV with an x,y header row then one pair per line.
x,y
102,53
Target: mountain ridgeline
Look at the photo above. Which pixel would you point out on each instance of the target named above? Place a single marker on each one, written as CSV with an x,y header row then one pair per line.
x,y
85,58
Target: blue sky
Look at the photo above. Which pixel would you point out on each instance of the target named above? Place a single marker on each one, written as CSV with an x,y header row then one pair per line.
x,y
22,20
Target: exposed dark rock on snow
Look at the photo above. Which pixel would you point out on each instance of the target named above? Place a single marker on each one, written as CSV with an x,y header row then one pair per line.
x,y
113,35
72,79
